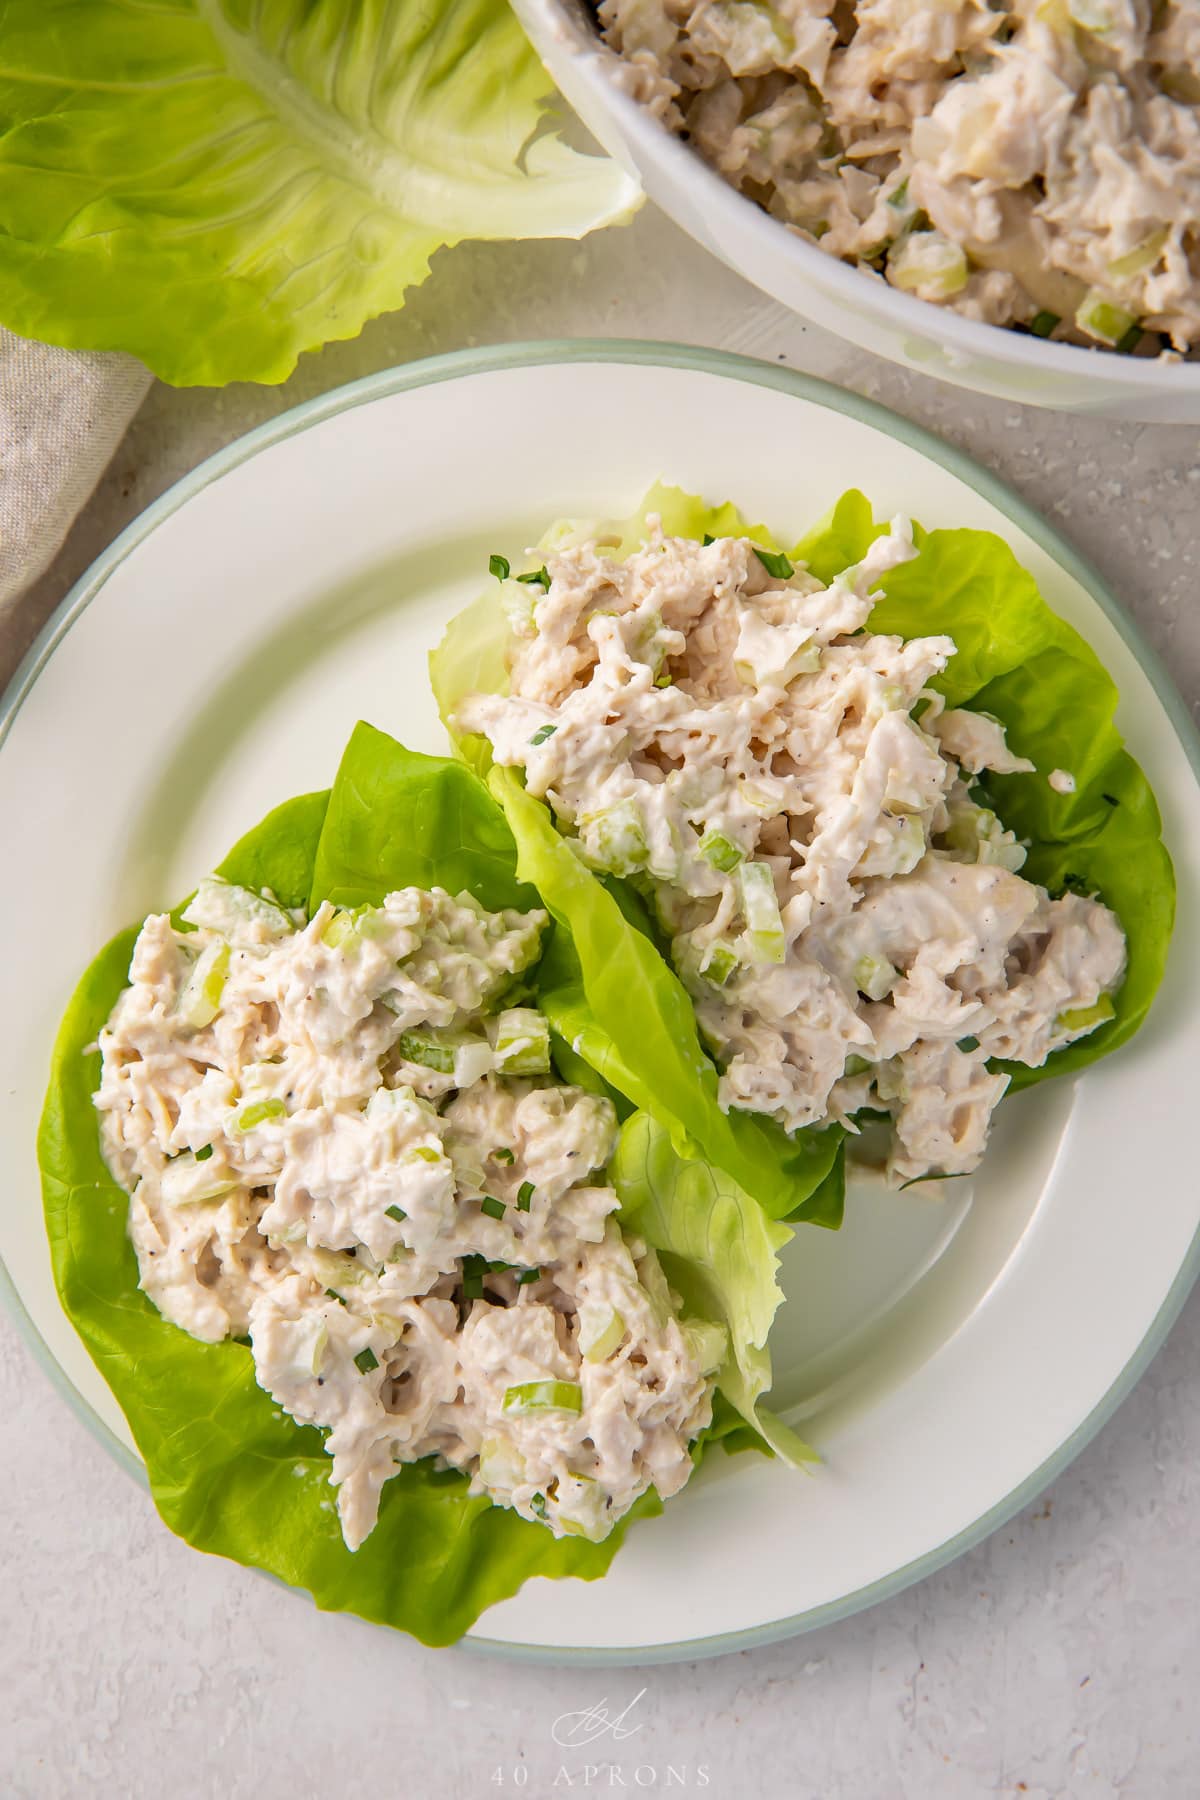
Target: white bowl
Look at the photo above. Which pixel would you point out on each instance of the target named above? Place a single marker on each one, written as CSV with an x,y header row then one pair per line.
x,y
858,306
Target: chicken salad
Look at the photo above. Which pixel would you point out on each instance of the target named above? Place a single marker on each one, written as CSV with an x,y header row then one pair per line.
x,y
344,1146
1028,163
805,811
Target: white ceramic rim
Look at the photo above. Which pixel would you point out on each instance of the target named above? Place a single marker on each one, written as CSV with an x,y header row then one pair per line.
x,y
632,352
969,336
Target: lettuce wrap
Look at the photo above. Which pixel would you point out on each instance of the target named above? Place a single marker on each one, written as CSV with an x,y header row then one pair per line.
x,y
1016,660
228,1471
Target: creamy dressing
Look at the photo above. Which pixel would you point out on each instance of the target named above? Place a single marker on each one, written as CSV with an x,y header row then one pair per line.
x,y
343,1145
802,810
1009,159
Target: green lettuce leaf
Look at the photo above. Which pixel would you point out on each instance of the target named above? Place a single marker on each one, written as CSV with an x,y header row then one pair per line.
x,y
610,993
219,185
719,1252
1016,659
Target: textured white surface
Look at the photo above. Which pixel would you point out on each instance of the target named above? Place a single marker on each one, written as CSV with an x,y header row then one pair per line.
x,y
1062,1657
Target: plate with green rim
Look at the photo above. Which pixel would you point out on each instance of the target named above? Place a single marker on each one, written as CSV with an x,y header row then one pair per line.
x,y
947,1356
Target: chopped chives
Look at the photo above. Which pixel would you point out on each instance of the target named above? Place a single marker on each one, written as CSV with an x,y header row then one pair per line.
x,y
1129,340
503,1155
366,1360
332,1294
396,1212
494,1208
775,563
528,1275
537,578
1043,323
499,567
474,1269
524,1196
968,1043
498,1265
709,538
542,733
203,1154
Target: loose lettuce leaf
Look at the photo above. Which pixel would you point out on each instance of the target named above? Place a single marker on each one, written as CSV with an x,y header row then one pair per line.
x,y
1016,659
218,185
229,1472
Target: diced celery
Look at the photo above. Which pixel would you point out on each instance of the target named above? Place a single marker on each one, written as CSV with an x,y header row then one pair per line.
x,y
543,1396
500,1465
432,1053
1086,1018
320,1343
929,264
1095,16
186,1182
223,906
760,799
719,963
875,977
856,1065
200,997
340,929
522,1042
707,1342
1142,256
260,1112
615,838
760,907
473,1059
1103,319
601,1334
720,851
519,602
647,645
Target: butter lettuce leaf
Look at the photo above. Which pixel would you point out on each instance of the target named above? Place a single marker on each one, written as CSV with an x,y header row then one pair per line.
x,y
720,1253
219,185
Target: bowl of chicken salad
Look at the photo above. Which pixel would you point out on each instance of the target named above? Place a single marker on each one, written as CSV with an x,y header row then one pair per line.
x,y
1005,196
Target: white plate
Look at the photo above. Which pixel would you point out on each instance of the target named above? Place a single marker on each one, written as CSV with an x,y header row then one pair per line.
x,y
947,1357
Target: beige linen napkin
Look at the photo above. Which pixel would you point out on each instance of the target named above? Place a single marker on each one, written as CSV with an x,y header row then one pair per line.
x,y
62,414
